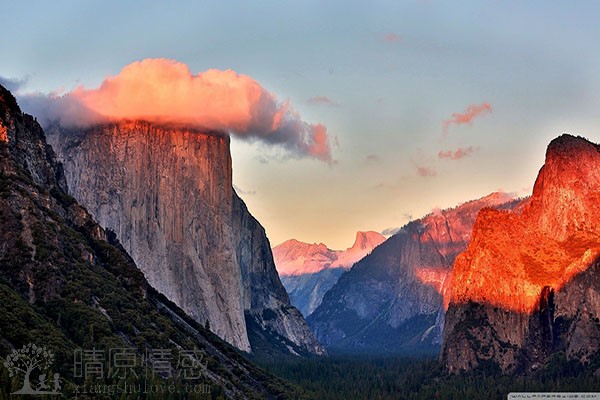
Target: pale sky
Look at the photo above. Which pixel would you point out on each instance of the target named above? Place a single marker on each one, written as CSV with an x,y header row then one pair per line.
x,y
382,77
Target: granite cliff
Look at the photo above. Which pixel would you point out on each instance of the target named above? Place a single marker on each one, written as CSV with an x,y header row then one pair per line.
x,y
166,191
67,284
392,300
528,284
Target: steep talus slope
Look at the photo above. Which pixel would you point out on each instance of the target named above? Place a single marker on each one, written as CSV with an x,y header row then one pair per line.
x,y
527,286
167,193
65,283
391,301
308,271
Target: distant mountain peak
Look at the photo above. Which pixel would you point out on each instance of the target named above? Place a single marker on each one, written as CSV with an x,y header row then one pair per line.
x,y
293,257
367,240
496,198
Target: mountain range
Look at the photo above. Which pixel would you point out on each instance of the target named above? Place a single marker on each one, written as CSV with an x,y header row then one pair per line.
x,y
293,257
497,283
391,301
308,271
132,235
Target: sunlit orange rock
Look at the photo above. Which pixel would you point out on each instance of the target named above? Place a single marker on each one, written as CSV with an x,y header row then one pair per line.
x,y
551,237
517,261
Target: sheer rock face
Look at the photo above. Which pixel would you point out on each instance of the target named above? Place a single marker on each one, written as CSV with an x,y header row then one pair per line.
x,y
167,193
528,284
392,300
264,297
61,275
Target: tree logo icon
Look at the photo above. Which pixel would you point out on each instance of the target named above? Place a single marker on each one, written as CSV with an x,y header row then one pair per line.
x,y
29,359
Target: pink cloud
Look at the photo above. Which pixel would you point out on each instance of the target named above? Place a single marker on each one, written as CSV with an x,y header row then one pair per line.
x,y
458,153
321,100
426,171
467,116
372,158
165,91
391,37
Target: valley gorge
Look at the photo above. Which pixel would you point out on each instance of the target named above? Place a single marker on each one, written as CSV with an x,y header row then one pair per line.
x,y
391,301
308,271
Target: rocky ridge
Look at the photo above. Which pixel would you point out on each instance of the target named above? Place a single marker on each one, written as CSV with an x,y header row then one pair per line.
x,y
527,285
392,300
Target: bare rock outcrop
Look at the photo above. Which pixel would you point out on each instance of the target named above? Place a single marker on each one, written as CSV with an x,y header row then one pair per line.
x,y
528,286
166,191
